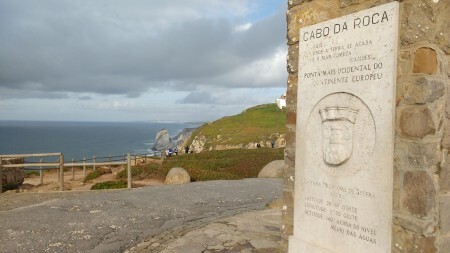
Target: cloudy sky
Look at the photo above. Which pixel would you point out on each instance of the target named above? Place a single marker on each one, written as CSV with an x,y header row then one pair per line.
x,y
139,60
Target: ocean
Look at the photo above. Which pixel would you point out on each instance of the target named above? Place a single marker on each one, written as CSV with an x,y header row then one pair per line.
x,y
82,139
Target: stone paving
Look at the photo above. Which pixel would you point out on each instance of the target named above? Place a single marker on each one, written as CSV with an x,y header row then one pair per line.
x,y
257,232
117,220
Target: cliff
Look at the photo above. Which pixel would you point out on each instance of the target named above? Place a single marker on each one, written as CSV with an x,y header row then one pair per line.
x,y
261,125
164,141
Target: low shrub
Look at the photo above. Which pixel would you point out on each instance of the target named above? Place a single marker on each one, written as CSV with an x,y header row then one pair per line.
x,y
144,171
29,173
96,174
109,185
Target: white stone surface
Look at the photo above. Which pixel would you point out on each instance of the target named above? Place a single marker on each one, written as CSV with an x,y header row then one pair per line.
x,y
274,169
177,176
345,127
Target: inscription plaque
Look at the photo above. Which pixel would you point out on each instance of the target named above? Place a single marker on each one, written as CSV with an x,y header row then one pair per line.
x,y
345,133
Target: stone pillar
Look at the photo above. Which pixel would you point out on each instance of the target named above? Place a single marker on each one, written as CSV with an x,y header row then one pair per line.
x,y
421,197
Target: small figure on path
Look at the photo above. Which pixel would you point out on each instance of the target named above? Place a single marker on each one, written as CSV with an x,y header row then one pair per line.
x,y
186,149
272,143
175,150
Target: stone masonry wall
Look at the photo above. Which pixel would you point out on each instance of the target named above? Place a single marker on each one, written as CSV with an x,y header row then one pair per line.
x,y
422,161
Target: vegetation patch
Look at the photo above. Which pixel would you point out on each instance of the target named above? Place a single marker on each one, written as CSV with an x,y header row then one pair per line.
x,y
30,173
256,124
211,165
224,164
96,174
150,170
109,185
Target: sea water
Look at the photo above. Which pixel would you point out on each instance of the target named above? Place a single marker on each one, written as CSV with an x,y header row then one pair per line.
x,y
77,140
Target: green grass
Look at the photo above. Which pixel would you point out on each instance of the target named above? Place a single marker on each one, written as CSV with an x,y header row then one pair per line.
x,y
260,123
211,165
109,185
150,170
96,174
29,173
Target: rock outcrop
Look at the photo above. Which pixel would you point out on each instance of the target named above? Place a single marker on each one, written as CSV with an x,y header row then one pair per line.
x,y
162,140
273,169
198,144
181,139
177,176
12,178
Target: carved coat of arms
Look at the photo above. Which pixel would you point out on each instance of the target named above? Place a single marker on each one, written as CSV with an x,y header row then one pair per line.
x,y
337,133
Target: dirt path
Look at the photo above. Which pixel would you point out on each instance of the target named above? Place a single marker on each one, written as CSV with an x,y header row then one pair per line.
x,y
75,182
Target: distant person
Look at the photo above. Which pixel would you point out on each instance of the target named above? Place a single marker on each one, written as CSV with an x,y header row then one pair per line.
x,y
272,143
258,145
170,152
175,150
186,149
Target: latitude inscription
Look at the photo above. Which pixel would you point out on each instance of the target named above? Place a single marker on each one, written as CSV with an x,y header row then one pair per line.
x,y
344,145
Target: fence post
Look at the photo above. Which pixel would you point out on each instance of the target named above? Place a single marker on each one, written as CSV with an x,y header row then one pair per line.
x,y
93,159
109,166
84,167
41,174
1,176
129,170
73,172
61,172
57,171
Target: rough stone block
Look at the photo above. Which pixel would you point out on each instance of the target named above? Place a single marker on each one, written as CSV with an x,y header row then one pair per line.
x,y
291,95
425,61
442,35
420,20
415,122
292,59
444,176
288,178
444,213
446,137
406,242
426,227
424,90
423,155
307,14
397,181
291,116
443,244
345,3
286,230
418,194
292,3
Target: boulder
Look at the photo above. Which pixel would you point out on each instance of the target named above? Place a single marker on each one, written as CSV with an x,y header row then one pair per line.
x,y
177,176
273,169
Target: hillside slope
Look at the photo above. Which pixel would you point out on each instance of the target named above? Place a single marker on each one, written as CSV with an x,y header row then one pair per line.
x,y
260,124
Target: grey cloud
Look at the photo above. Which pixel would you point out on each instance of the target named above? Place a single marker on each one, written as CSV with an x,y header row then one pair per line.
x,y
125,49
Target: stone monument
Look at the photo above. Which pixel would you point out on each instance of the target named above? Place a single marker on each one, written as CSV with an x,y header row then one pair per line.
x,y
368,127
345,133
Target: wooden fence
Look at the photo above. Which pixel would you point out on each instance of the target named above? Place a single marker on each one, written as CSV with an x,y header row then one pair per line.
x,y
61,164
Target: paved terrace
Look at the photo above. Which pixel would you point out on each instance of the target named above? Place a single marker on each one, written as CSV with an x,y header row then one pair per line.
x,y
213,216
